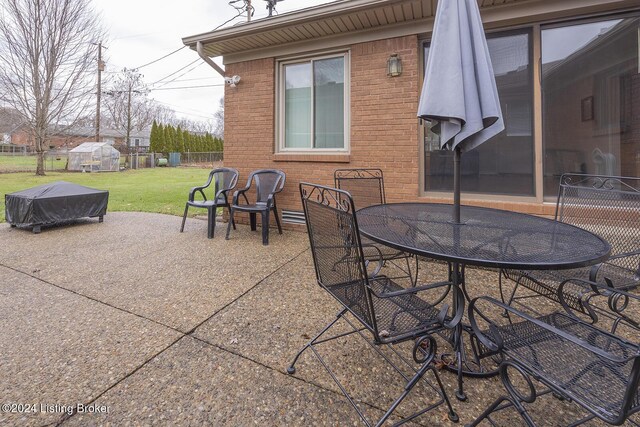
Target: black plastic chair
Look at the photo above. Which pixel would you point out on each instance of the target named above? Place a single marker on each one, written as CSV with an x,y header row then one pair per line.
x,y
390,313
607,206
366,187
268,182
223,180
573,359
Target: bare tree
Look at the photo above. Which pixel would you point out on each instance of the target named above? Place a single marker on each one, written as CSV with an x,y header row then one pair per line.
x,y
163,114
219,119
127,103
45,59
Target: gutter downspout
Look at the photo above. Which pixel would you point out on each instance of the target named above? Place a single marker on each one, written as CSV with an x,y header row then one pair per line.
x,y
205,58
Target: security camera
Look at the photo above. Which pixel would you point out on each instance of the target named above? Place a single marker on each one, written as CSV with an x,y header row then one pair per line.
x,y
232,81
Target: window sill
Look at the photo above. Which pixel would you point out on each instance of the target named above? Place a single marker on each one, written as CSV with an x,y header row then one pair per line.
x,y
312,157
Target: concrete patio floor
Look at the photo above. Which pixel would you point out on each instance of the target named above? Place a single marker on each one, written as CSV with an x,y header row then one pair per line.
x,y
158,327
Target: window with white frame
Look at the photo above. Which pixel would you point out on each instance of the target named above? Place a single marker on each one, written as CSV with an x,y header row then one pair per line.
x,y
313,104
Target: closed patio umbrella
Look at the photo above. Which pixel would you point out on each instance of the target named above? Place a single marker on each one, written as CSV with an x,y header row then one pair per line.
x,y
459,94
460,97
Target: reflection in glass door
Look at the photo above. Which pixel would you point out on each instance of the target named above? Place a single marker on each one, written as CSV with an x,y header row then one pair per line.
x,y
504,164
591,100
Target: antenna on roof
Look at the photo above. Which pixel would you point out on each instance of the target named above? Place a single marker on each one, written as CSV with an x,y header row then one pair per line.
x,y
244,6
271,5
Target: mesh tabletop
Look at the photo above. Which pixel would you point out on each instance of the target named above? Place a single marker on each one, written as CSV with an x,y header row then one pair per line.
x,y
485,237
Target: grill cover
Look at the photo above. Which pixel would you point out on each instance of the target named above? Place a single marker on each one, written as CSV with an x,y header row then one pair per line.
x,y
53,203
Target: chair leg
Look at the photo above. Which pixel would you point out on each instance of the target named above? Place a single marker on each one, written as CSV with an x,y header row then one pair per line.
x,y
265,227
184,217
252,221
501,279
292,369
514,398
275,213
230,222
211,221
413,278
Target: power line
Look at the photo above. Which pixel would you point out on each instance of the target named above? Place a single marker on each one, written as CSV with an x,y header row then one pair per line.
x,y
177,77
177,108
180,48
196,78
185,87
161,58
176,72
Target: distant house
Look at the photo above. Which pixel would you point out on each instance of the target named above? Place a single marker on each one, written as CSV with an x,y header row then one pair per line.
x,y
72,137
140,141
316,93
9,123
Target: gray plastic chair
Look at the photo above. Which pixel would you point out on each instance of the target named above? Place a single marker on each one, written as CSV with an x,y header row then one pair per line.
x,y
267,183
223,180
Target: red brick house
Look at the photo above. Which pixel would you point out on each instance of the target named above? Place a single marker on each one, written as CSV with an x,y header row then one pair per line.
x,y
71,138
315,95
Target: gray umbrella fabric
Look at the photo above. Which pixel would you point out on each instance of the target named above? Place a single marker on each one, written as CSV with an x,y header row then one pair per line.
x,y
460,95
459,91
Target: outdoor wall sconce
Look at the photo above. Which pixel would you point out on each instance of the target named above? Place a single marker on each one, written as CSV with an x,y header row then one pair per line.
x,y
232,81
394,65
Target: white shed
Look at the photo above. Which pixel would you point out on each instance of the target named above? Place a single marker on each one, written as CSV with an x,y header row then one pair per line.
x,y
94,157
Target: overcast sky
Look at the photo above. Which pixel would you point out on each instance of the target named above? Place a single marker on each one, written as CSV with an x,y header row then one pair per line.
x,y
141,31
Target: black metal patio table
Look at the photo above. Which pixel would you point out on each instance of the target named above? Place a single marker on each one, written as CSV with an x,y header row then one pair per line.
x,y
484,237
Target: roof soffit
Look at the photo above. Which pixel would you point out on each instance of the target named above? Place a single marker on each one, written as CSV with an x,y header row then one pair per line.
x,y
333,23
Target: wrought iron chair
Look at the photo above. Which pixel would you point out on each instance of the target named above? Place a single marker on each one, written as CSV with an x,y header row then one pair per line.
x,y
366,187
223,180
268,182
390,313
573,359
607,206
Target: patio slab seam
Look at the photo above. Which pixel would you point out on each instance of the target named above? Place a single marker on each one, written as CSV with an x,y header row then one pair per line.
x,y
92,298
183,334
116,383
276,370
258,283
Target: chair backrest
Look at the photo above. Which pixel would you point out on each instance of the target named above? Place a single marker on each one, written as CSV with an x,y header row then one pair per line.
x,y
366,186
607,206
336,248
224,179
268,181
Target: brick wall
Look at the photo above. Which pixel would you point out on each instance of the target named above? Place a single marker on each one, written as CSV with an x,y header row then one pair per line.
x,y
384,127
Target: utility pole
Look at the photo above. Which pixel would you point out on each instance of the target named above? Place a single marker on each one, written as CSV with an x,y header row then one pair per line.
x,y
249,10
100,70
129,124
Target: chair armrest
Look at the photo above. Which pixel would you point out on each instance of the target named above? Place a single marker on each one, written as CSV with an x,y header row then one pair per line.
x,y
447,322
593,273
240,192
270,198
223,192
617,300
380,259
193,191
495,343
405,291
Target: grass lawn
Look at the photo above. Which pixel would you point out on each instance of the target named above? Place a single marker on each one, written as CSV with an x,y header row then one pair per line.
x,y
162,190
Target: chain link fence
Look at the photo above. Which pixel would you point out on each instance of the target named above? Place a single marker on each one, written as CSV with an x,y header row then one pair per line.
x,y
206,159
57,160
27,161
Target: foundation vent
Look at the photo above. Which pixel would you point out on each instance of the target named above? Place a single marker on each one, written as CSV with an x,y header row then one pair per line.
x,y
293,217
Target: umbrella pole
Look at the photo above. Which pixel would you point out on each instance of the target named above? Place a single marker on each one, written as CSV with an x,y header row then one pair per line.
x,y
456,185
